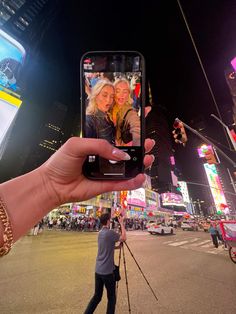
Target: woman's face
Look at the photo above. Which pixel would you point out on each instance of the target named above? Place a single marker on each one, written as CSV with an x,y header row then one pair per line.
x,y
121,93
105,98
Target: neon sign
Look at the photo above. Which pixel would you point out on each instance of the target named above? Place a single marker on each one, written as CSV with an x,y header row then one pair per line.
x,y
215,185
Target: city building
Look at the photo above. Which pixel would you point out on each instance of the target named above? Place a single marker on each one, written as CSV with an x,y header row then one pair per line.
x,y
27,19
49,138
158,129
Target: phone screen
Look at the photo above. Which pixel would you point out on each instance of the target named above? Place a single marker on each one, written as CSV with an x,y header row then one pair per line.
x,y
112,107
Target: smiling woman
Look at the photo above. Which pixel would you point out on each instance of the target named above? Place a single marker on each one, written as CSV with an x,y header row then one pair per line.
x,y
98,123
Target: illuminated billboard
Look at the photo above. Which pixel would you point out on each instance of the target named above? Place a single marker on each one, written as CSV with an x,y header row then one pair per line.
x,y
137,197
233,63
203,149
215,185
9,106
172,199
12,55
184,191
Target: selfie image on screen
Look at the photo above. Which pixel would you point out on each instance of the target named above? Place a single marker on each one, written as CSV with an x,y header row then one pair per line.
x,y
113,106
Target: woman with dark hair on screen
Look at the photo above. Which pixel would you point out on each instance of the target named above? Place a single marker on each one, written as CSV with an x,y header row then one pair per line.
x,y
98,123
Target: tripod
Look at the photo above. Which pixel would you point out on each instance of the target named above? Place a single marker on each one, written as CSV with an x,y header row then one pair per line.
x,y
126,277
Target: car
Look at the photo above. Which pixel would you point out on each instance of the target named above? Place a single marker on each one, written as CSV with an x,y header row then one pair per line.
x,y
189,225
160,228
150,223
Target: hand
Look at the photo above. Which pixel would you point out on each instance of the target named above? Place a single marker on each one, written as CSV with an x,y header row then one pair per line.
x,y
121,219
62,172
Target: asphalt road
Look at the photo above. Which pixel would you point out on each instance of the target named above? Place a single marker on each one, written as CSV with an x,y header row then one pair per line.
x,y
54,273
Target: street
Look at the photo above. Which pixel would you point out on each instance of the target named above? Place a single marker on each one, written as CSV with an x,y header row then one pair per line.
x,y
53,272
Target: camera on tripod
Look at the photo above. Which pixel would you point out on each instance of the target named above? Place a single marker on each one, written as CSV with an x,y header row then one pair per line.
x,y
117,216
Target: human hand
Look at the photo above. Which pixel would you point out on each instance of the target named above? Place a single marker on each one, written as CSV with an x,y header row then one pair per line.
x,y
121,219
62,172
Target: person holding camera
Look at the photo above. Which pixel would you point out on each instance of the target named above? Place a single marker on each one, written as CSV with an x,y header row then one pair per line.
x,y
104,270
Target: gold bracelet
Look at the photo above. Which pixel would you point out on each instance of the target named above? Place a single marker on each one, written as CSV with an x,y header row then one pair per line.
x,y
7,230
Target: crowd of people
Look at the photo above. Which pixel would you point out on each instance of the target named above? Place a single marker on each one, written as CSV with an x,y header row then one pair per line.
x,y
85,223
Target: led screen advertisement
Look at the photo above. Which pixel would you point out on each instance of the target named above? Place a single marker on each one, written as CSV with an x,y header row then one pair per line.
x,y
215,185
137,197
172,199
12,55
203,149
9,106
184,191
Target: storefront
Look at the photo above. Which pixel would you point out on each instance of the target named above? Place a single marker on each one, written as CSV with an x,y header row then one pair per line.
x,y
151,203
136,203
164,214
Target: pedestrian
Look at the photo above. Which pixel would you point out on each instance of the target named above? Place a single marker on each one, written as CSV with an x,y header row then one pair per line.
x,y
105,264
213,232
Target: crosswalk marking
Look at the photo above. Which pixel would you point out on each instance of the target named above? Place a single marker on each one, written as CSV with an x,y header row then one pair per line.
x,y
167,242
194,240
202,243
205,246
178,243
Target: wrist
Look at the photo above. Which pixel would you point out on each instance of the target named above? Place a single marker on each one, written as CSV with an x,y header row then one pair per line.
x,y
27,200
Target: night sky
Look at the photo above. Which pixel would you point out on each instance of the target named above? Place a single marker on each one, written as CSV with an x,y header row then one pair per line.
x,y
157,30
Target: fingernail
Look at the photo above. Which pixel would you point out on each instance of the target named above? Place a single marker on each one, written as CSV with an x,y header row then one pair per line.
x,y
120,154
153,158
154,142
148,109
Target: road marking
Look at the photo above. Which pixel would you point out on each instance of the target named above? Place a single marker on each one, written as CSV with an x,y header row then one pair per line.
x,y
178,243
208,245
212,252
194,240
201,243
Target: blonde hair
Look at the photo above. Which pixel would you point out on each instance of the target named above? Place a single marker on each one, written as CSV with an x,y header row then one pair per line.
x,y
96,90
124,80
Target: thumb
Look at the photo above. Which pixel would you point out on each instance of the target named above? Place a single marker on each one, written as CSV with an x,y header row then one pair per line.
x,y
82,147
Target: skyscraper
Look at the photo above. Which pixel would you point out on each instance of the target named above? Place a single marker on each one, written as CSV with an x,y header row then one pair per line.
x,y
20,17
158,129
49,138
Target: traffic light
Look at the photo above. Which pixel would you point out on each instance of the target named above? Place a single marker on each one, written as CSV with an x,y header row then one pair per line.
x,y
179,133
210,157
178,188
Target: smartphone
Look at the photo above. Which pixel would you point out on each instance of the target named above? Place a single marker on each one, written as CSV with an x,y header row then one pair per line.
x,y
112,108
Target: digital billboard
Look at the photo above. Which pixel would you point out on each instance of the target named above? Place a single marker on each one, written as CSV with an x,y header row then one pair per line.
x,y
172,199
137,197
215,185
9,106
12,55
233,63
203,149
184,191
